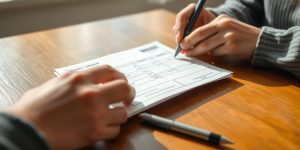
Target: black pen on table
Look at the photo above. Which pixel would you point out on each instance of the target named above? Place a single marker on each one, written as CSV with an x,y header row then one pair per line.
x,y
168,124
191,23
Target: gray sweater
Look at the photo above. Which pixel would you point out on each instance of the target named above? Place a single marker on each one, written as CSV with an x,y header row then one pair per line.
x,y
16,134
279,42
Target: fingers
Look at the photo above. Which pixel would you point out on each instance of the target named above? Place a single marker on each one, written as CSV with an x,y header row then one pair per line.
x,y
103,74
207,45
105,122
199,35
182,19
116,91
110,132
118,116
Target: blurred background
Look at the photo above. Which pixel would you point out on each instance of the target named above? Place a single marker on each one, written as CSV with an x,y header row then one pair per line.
x,y
23,16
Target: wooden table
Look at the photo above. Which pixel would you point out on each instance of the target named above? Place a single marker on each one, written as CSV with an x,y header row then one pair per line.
x,y
257,108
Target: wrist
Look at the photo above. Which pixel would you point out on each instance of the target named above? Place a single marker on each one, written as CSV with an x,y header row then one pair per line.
x,y
256,35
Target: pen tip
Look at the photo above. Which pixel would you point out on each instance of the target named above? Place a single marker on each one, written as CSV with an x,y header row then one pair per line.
x,y
226,141
178,49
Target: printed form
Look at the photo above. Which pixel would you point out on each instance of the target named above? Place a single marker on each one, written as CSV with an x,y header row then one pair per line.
x,y
154,73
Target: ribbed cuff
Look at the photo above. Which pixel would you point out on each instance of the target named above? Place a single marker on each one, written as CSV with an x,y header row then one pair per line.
x,y
17,134
272,47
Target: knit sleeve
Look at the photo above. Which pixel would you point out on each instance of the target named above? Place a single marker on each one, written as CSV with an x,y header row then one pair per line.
x,y
16,134
279,48
248,11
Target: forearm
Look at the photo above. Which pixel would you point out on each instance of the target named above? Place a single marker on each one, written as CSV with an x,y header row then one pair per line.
x,y
16,134
248,11
279,48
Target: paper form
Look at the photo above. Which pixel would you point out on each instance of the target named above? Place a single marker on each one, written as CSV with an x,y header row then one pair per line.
x,y
155,74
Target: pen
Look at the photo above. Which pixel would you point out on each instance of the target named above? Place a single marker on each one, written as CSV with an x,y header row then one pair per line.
x,y
168,124
191,23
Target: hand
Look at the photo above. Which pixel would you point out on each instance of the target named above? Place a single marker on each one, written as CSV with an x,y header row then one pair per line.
x,y
223,36
72,110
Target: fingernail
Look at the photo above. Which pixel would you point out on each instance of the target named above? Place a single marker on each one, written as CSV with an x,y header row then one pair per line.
x,y
182,45
184,51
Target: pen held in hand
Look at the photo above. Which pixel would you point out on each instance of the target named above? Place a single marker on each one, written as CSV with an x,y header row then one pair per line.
x,y
168,124
191,23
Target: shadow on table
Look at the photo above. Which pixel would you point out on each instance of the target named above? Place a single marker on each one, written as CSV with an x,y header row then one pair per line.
x,y
262,76
193,139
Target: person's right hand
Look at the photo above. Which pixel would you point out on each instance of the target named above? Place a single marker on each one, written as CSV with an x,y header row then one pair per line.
x,y
221,36
72,111
183,17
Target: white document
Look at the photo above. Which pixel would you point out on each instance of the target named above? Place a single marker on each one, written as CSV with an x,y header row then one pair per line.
x,y
155,74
